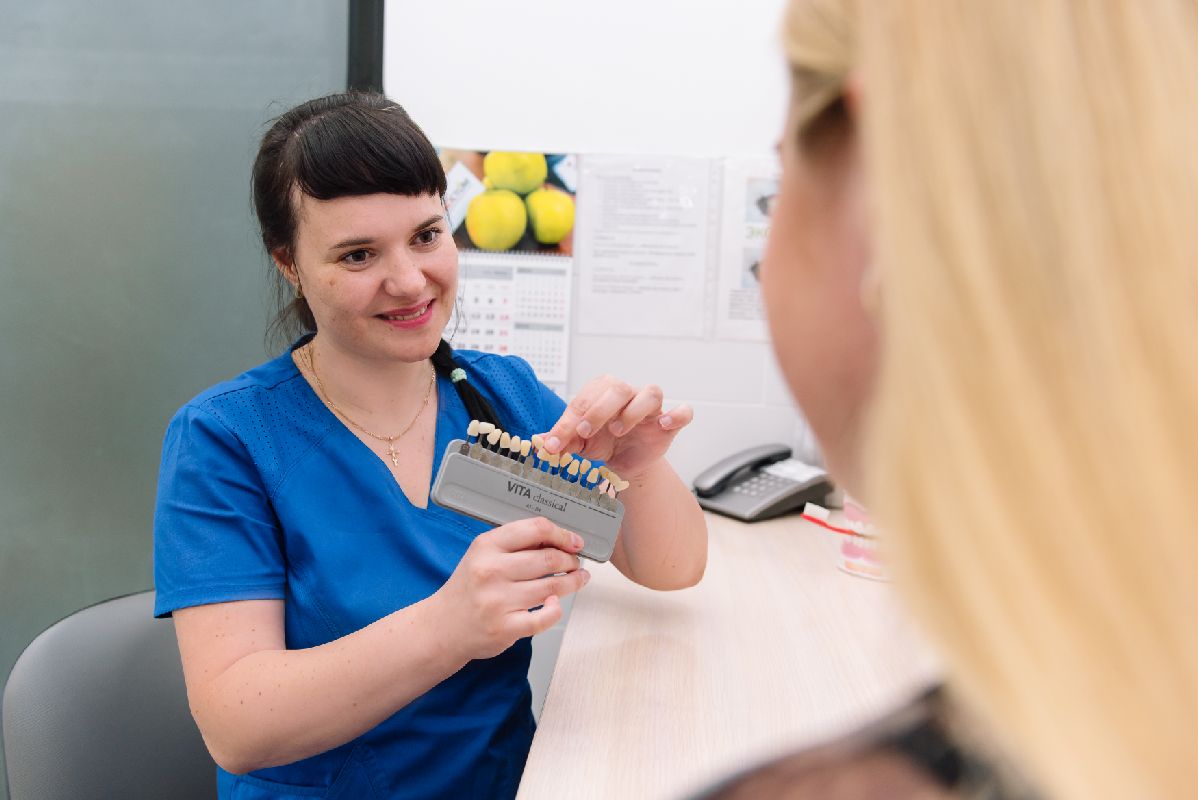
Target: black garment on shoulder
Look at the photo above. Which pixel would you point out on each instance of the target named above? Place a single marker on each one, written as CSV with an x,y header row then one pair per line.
x,y
910,754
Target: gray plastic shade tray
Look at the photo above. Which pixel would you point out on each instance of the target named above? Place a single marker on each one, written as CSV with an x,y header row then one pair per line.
x,y
493,488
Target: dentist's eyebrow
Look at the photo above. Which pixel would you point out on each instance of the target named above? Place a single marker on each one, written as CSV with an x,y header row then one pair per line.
x,y
352,243
433,220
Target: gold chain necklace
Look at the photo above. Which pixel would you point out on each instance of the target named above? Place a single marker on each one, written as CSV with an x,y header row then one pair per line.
x,y
390,440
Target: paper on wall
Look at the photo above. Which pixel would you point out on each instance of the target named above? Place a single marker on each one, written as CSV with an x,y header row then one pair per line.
x,y
642,244
749,188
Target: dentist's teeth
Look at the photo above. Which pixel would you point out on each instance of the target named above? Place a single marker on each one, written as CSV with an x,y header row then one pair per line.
x,y
405,317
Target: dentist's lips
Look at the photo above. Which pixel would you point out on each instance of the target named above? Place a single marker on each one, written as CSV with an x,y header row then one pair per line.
x,y
412,317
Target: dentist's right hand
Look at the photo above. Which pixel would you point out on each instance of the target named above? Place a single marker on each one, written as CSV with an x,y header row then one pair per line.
x,y
507,571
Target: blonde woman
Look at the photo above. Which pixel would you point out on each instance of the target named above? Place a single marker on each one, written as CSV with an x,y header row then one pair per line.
x,y
988,208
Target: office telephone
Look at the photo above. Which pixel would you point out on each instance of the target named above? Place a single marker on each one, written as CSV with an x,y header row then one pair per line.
x,y
760,483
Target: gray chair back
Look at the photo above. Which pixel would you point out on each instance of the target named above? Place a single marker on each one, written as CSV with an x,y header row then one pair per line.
x,y
95,707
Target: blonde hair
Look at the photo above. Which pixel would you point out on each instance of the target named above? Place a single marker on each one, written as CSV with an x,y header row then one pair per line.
x,y
1032,444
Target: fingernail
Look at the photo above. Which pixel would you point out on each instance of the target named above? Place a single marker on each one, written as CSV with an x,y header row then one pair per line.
x,y
577,540
616,428
584,429
666,421
586,577
552,444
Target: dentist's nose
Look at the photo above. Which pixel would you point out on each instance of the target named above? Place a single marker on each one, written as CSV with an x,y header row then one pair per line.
x,y
404,279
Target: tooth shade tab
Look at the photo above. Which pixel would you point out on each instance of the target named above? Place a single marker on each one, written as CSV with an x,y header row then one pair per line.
x,y
567,458
538,441
505,440
472,428
573,470
493,437
604,472
593,476
525,448
585,466
485,428
554,460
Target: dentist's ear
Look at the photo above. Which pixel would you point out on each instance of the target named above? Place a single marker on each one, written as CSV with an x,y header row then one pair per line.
x,y
286,267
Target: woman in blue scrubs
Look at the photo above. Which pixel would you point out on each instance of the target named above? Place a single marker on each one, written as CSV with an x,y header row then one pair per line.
x,y
341,636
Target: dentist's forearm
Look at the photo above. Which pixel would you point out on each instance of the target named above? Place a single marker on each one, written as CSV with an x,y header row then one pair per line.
x,y
663,538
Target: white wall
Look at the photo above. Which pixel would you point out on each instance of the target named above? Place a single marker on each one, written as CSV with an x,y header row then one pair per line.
x,y
675,77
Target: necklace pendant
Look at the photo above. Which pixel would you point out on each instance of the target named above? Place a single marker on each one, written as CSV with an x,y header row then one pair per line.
x,y
391,451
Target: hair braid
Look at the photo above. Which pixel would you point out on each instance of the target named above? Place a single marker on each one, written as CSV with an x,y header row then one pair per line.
x,y
472,398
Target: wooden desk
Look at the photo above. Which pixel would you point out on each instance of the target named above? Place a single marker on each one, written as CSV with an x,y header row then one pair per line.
x,y
658,693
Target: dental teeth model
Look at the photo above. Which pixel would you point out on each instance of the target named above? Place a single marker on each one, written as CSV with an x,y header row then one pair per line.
x,y
499,478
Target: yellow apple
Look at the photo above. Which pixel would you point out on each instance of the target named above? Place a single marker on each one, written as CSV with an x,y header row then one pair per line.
x,y
551,213
519,172
496,219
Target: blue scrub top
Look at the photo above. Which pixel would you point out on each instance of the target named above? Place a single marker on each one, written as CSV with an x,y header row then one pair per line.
x,y
265,494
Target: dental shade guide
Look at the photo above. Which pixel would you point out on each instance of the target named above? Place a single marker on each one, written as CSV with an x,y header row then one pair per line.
x,y
490,476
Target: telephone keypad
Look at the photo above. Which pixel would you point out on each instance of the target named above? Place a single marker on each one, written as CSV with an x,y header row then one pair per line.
x,y
761,484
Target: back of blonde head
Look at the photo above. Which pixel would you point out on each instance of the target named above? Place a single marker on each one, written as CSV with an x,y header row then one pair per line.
x,y
1033,443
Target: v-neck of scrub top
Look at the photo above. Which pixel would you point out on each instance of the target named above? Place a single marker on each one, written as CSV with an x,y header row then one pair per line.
x,y
441,437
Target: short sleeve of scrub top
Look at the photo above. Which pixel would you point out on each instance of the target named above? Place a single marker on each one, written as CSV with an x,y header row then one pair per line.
x,y
264,494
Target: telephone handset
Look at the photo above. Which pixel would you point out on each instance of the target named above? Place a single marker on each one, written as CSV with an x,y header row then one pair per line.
x,y
759,483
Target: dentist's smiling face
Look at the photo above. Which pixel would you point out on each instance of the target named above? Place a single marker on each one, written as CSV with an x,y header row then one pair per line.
x,y
379,272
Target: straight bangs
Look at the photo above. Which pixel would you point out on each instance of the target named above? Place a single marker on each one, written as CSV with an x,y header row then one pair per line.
x,y
360,151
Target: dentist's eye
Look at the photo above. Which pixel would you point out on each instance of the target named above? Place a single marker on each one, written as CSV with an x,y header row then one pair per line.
x,y
356,258
428,236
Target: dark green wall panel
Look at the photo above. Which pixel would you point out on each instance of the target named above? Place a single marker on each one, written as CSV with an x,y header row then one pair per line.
x,y
130,272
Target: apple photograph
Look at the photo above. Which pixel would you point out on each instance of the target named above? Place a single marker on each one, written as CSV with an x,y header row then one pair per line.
x,y
503,201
